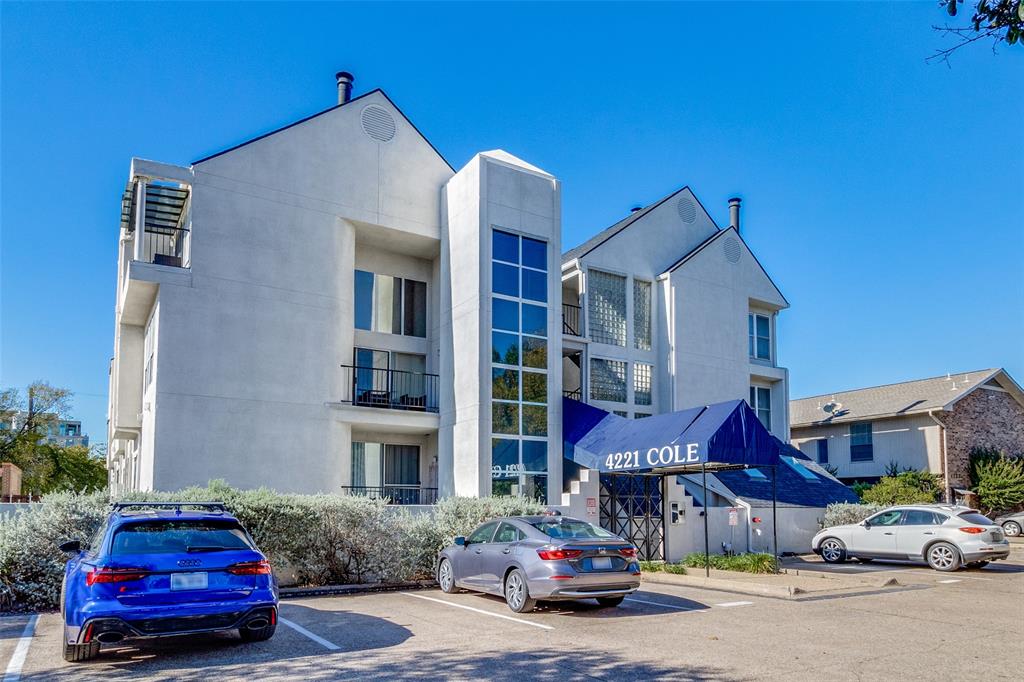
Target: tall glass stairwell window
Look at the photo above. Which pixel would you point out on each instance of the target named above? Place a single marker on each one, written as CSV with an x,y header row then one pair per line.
x,y
519,365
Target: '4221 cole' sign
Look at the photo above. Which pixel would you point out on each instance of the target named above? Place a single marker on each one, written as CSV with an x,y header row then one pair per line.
x,y
665,456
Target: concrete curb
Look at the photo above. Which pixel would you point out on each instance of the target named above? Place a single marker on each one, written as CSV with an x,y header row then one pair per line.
x,y
332,590
761,589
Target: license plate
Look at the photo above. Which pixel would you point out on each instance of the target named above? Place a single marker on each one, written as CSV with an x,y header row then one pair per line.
x,y
189,581
601,563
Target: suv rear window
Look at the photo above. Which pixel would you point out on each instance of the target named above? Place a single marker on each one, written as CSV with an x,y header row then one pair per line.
x,y
571,529
975,517
174,536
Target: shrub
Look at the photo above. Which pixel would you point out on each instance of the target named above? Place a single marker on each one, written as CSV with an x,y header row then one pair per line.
x,y
662,567
906,487
324,539
747,563
844,513
998,479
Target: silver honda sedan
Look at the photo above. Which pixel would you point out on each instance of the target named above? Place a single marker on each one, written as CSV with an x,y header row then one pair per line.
x,y
528,558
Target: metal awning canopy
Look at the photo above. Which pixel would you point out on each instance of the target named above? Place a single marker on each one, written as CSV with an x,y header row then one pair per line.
x,y
165,207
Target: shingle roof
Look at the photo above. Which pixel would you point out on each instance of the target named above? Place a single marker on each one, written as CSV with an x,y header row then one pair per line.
x,y
891,400
607,233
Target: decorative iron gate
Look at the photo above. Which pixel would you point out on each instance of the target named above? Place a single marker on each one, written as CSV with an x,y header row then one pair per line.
x,y
631,507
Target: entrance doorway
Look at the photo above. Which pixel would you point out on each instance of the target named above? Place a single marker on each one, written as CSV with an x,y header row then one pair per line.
x,y
631,507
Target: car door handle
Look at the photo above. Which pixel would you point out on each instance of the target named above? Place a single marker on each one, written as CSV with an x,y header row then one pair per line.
x,y
506,551
886,533
479,551
928,532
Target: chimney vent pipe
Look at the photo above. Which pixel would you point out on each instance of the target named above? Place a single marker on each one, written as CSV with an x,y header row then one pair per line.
x,y
345,80
734,213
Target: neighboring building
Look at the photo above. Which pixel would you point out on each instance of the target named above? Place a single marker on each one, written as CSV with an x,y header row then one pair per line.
x,y
332,307
930,424
65,432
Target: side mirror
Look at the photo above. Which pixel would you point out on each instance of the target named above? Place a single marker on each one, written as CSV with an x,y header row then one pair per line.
x,y
460,541
71,547
866,523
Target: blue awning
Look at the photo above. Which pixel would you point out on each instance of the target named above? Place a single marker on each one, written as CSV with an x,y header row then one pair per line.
x,y
725,434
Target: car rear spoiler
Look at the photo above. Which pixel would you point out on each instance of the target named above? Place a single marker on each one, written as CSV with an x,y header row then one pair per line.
x,y
212,506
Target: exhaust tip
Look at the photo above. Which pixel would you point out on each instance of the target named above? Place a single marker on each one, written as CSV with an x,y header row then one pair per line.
x,y
257,623
110,637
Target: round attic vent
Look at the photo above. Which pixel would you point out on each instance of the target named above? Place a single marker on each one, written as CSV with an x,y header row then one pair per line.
x,y
378,123
732,250
687,209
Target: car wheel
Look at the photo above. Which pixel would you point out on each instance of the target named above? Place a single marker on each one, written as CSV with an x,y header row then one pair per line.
x,y
75,653
258,634
943,556
1012,528
610,602
517,593
833,551
446,577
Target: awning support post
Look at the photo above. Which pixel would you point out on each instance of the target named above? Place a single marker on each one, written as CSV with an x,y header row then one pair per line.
x,y
775,524
707,545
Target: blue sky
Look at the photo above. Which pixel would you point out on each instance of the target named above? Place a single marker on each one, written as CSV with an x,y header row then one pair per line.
x,y
881,192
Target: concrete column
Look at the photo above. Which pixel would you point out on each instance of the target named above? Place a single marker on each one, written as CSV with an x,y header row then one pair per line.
x,y
140,219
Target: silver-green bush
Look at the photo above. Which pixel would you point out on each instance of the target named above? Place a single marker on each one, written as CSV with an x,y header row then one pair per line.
x,y
323,539
842,513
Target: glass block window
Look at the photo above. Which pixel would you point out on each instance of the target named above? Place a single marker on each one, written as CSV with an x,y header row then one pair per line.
x,y
519,358
642,314
642,383
608,380
606,307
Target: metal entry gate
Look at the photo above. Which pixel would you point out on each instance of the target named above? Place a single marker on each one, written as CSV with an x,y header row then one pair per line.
x,y
631,507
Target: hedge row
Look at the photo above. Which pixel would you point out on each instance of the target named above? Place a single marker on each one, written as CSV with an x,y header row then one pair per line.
x,y
324,539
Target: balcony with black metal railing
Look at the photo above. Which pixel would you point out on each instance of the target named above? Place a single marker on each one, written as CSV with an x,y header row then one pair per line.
x,y
571,319
394,494
389,388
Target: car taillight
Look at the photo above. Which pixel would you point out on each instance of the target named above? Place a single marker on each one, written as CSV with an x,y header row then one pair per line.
x,y
250,568
558,554
973,530
628,552
114,575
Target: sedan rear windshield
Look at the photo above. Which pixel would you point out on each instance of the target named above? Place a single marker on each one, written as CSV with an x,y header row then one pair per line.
x,y
975,517
179,536
571,529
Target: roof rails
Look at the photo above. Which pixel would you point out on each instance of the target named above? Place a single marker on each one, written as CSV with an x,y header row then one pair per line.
x,y
176,506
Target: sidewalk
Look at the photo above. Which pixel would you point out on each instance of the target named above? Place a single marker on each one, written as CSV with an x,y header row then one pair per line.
x,y
785,585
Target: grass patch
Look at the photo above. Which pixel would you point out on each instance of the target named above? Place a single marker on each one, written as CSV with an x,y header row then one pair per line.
x,y
662,567
747,563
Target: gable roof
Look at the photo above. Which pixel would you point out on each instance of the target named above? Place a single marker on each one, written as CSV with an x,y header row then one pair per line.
x,y
321,113
609,232
891,400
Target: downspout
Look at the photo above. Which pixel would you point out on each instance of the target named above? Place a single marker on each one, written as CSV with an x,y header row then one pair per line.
x,y
945,456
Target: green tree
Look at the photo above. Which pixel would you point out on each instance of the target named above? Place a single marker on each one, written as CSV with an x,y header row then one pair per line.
x,y
1002,21
906,487
998,479
73,469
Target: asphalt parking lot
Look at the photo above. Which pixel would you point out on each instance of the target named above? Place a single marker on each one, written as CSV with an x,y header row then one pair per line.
x,y
928,628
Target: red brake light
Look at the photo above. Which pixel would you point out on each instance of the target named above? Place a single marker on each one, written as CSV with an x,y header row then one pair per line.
x,y
628,552
973,530
114,575
250,568
558,554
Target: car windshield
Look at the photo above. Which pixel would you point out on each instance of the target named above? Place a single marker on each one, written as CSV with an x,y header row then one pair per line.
x,y
178,536
568,528
975,517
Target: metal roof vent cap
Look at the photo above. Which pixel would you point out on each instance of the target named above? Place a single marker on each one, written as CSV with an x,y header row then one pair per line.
x,y
345,81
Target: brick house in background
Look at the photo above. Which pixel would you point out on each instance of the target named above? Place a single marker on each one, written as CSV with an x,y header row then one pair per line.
x,y
928,424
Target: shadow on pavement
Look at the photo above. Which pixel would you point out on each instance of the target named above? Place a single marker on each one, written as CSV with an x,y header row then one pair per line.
x,y
13,626
650,605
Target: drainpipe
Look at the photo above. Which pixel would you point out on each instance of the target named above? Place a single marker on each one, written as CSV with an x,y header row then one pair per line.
x,y
945,456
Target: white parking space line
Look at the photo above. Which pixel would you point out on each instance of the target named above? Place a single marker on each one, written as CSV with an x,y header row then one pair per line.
x,y
947,582
13,672
303,631
481,611
730,604
664,606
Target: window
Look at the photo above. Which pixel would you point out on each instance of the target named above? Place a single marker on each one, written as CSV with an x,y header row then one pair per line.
x,y
483,533
390,304
508,533
761,403
606,307
641,415
608,380
519,358
822,450
376,465
177,536
886,518
756,474
797,466
976,518
919,517
621,413
759,336
571,529
861,448
642,383
641,314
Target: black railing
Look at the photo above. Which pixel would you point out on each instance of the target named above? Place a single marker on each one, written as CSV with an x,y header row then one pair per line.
x,y
571,319
394,494
575,395
165,247
389,388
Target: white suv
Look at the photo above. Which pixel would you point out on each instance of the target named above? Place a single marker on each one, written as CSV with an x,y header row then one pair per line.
x,y
945,536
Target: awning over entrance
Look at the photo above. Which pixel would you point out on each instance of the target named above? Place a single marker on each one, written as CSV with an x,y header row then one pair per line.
x,y
724,434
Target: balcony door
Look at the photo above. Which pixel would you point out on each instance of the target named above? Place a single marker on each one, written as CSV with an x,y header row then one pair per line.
x,y
388,378
387,470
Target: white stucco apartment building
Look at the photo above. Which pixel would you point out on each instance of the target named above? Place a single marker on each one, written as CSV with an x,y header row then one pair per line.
x,y
331,307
